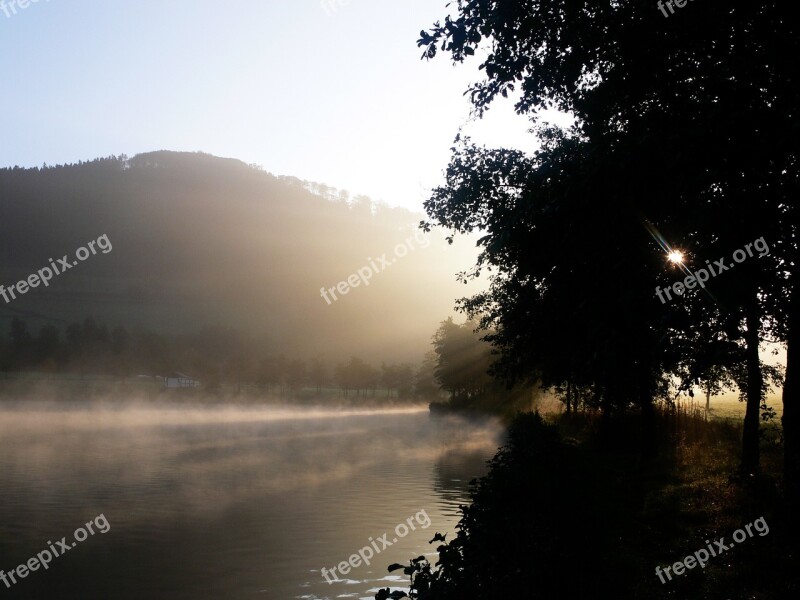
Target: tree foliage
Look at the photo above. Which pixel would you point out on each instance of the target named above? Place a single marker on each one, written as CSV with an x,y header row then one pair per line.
x,y
683,137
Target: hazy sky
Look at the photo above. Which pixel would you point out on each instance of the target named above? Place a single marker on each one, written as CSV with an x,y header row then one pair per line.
x,y
337,94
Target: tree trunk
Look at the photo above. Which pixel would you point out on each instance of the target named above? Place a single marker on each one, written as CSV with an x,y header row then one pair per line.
x,y
791,391
569,395
750,441
649,427
605,410
650,439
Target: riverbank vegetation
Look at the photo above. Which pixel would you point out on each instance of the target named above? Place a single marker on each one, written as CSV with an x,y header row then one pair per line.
x,y
563,513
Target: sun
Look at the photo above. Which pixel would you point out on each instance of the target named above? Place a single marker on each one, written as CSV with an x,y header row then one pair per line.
x,y
676,257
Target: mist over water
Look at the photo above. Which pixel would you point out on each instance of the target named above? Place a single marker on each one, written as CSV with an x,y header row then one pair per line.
x,y
222,502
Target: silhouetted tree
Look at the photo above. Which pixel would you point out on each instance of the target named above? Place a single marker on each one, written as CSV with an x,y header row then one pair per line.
x,y
463,361
425,383
710,100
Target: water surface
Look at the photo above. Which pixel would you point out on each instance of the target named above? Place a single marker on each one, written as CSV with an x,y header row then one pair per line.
x,y
234,503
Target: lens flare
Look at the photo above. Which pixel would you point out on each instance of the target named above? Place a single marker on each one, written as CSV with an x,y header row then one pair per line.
x,y
675,257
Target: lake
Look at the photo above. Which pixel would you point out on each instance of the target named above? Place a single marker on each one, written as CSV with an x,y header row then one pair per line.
x,y
217,502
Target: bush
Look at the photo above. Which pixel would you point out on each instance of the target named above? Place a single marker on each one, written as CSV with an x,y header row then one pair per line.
x,y
538,527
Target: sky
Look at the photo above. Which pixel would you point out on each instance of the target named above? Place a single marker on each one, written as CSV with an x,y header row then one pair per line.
x,y
332,91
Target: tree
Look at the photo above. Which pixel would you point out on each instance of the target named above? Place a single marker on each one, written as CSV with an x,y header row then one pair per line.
x,y
425,384
21,342
296,375
47,347
120,340
397,377
463,361
318,374
404,380
709,100
272,372
356,375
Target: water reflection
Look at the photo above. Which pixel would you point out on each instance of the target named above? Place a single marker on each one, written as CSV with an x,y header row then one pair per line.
x,y
225,503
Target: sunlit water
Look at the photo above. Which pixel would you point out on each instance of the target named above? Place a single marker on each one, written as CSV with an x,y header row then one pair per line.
x,y
226,503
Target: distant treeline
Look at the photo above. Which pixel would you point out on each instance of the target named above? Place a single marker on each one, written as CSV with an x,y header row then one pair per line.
x,y
456,368
214,356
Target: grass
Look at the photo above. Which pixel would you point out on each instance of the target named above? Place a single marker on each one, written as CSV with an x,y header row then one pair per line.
x,y
692,493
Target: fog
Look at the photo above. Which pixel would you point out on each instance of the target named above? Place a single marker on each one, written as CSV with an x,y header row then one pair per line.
x,y
260,481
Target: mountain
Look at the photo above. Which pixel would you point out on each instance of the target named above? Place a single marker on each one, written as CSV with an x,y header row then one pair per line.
x,y
198,240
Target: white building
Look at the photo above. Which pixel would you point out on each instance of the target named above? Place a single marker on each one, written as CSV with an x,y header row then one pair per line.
x,y
179,380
